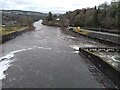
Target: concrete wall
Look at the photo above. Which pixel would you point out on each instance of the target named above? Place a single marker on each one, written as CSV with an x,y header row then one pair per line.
x,y
105,37
102,30
105,68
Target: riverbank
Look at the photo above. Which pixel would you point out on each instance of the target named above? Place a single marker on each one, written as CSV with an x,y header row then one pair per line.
x,y
102,30
107,38
11,35
51,23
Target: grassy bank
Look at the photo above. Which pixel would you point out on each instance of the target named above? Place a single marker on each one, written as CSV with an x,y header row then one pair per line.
x,y
5,31
82,31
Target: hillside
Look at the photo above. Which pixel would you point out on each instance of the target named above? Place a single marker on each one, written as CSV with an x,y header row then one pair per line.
x,y
19,17
103,17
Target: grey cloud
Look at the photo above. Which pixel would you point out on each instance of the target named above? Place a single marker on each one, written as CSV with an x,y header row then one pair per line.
x,y
31,5
22,2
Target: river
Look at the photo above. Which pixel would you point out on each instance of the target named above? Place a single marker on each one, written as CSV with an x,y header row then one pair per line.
x,y
45,58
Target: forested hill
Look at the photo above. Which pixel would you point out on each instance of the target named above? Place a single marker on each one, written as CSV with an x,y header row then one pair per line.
x,y
105,16
20,18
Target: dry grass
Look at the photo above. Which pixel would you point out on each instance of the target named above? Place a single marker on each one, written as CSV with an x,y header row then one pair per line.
x,y
5,31
82,31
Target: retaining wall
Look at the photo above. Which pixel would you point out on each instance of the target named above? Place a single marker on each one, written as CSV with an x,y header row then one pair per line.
x,y
104,67
10,36
104,38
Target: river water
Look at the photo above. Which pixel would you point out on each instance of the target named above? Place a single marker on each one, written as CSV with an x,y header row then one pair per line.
x,y
45,58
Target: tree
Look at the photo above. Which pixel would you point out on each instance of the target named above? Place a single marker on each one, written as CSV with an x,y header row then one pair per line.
x,y
113,9
77,21
50,17
105,16
118,10
55,15
64,22
84,11
95,20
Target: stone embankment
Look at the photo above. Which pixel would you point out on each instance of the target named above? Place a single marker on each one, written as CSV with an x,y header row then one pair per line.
x,y
7,37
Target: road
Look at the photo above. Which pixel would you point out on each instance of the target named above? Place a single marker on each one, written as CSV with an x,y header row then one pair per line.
x,y
45,58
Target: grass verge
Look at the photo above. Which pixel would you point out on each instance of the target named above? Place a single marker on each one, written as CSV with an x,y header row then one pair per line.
x,y
5,31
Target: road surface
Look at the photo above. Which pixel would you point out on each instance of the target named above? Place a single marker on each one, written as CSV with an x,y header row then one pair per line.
x,y
45,58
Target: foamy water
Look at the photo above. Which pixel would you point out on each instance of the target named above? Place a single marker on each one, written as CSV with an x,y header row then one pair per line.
x,y
5,61
71,37
42,48
75,52
76,47
4,65
114,58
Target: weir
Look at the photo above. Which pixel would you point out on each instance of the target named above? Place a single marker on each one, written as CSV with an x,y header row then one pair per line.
x,y
106,68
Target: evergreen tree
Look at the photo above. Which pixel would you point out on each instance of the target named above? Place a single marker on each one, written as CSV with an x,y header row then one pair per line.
x,y
50,16
95,17
119,15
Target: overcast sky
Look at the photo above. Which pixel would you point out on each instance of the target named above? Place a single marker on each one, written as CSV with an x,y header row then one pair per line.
x,y
55,6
